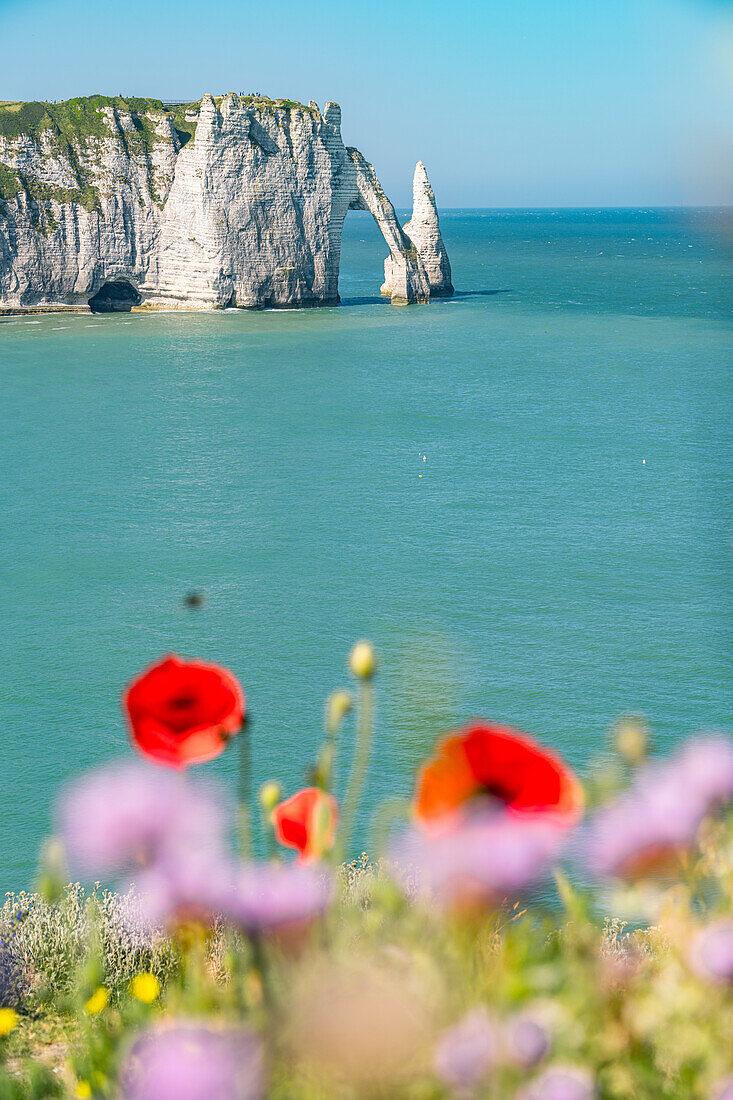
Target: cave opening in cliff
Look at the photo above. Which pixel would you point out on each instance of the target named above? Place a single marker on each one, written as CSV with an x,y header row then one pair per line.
x,y
116,296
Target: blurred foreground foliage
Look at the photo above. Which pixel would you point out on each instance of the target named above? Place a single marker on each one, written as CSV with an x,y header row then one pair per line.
x,y
355,1006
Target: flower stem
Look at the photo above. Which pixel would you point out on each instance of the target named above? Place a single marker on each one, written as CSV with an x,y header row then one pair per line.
x,y
359,767
245,784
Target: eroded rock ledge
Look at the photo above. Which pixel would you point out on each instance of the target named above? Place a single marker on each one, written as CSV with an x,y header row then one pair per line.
x,y
237,201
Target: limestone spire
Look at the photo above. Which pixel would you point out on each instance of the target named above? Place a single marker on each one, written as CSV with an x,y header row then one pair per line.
x,y
207,120
332,115
424,232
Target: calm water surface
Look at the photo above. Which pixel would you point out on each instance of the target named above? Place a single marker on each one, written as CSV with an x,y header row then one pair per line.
x,y
564,557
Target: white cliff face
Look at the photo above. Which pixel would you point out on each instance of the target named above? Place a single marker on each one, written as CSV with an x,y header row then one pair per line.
x,y
84,214
423,231
255,212
247,213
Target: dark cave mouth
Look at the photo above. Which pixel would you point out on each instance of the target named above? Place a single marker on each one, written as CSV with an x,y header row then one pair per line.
x,y
115,296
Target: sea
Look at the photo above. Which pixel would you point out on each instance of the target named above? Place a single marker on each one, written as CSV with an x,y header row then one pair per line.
x,y
521,495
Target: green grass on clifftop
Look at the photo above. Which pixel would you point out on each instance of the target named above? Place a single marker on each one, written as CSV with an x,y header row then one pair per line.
x,y
71,126
72,118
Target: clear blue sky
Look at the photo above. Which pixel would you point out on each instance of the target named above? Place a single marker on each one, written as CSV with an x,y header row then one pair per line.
x,y
511,103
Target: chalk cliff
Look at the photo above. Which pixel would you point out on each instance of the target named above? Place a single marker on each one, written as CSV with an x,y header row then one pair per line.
x,y
236,201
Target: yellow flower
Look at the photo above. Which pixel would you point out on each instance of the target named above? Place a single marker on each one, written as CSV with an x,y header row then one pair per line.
x,y
98,1000
83,1090
145,987
363,662
8,1020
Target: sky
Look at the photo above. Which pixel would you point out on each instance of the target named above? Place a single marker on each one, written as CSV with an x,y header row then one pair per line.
x,y
510,103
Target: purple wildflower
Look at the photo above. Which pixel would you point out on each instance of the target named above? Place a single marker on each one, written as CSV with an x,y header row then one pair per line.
x,y
259,898
131,814
270,897
705,764
185,886
526,1041
724,1090
661,814
189,1062
465,1052
483,858
711,954
560,1083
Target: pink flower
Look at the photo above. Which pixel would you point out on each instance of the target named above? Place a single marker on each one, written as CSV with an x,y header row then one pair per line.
x,y
525,1040
274,897
191,1062
129,815
705,765
481,858
259,898
182,886
466,1052
724,1090
560,1083
711,953
659,818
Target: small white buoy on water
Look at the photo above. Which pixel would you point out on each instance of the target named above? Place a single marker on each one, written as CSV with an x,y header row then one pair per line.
x,y
643,462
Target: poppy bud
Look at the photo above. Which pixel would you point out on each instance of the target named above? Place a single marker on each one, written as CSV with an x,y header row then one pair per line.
x,y
632,739
270,795
337,707
324,768
363,661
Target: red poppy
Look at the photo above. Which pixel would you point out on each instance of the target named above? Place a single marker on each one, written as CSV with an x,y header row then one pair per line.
x,y
183,712
496,762
307,822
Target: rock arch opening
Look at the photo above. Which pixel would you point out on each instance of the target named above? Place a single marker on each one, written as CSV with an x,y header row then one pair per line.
x,y
115,296
361,260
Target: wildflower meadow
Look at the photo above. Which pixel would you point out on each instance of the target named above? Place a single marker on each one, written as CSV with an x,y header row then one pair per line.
x,y
516,934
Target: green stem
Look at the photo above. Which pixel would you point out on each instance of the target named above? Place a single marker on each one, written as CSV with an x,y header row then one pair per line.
x,y
388,814
262,966
245,784
359,767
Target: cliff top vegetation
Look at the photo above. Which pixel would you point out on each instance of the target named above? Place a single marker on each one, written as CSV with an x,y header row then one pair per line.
x,y
83,117
71,123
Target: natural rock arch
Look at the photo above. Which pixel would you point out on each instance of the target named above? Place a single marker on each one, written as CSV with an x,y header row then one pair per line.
x,y
409,282
417,268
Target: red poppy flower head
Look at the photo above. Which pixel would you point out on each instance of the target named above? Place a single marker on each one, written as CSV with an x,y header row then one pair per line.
x,y
307,822
183,712
482,763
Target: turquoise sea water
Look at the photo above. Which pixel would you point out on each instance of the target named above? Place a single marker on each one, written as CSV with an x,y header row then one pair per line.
x,y
564,557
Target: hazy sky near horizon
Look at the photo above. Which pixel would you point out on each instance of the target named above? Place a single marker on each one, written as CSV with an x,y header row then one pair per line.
x,y
536,103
